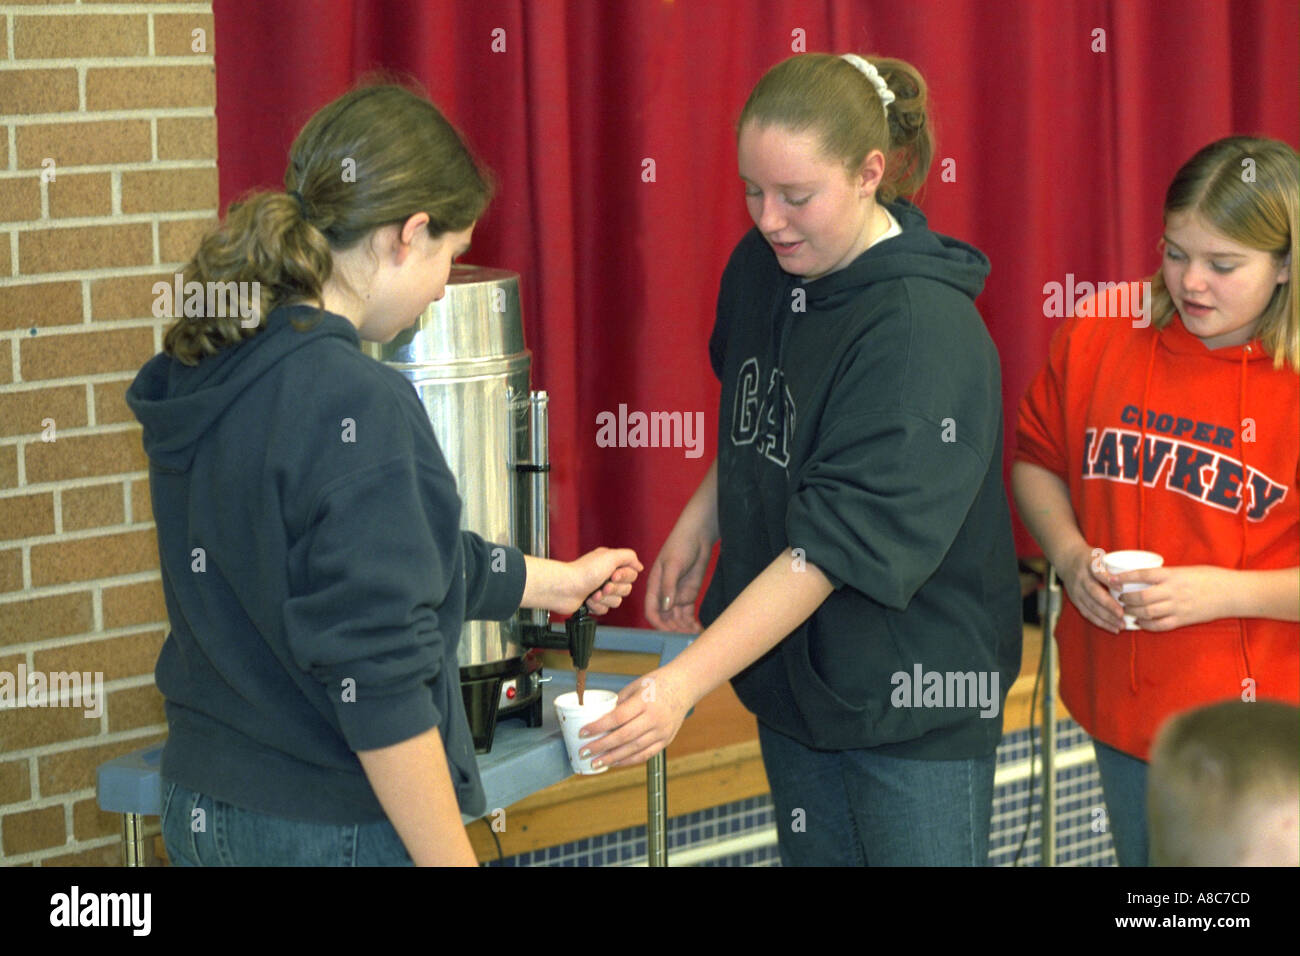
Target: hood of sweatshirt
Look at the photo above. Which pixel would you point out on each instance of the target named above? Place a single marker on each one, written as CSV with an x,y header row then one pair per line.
x,y
177,403
916,253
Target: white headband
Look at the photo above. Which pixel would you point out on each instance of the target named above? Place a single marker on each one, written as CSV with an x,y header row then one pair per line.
x,y
870,72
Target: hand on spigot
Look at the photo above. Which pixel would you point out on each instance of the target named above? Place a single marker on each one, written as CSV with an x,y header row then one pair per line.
x,y
602,577
605,576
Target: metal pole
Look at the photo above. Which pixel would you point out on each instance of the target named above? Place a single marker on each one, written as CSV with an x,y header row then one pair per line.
x,y
538,496
1048,829
133,839
656,785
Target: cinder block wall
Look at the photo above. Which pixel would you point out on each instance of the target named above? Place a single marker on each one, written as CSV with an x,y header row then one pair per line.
x,y
107,179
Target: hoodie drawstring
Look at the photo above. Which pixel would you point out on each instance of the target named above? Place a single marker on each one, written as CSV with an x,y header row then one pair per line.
x,y
1142,463
1245,475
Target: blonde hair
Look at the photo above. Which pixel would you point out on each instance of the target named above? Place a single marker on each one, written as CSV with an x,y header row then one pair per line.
x,y
826,95
375,156
1258,210
1211,767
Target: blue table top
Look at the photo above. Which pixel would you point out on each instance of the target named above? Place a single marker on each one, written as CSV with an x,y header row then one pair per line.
x,y
523,760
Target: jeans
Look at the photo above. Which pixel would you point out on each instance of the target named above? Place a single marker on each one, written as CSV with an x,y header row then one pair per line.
x,y
862,808
227,835
1124,784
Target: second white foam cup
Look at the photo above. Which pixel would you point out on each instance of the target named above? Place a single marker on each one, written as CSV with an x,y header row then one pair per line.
x,y
572,717
1117,562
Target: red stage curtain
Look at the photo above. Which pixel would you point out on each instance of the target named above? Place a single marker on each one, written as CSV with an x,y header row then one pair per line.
x,y
1061,152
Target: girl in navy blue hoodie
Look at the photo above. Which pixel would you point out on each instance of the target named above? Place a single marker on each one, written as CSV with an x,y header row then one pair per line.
x,y
866,603
315,575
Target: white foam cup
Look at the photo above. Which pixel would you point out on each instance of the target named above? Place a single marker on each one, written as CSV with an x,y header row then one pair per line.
x,y
1117,562
595,704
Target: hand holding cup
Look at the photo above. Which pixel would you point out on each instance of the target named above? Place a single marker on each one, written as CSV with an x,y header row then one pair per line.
x,y
574,716
1120,562
1162,598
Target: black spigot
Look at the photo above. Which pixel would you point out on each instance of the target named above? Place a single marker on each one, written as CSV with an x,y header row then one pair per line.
x,y
581,629
578,638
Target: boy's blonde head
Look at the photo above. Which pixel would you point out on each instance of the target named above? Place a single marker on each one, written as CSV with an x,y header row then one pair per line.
x,y
1224,787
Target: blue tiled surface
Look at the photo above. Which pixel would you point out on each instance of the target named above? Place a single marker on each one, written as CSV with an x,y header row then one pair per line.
x,y
1077,842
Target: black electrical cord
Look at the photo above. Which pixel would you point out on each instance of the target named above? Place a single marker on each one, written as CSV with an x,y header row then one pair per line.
x,y
1033,708
495,839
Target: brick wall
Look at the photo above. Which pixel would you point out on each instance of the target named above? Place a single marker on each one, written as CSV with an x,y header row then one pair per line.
x,y
107,179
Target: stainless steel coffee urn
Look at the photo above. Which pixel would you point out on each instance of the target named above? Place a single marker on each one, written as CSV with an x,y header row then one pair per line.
x,y
467,360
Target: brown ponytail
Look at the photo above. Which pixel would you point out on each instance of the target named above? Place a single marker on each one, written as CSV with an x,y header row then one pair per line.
x,y
376,155
911,134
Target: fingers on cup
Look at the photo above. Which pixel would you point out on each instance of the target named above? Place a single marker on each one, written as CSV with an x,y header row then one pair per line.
x,y
1110,613
643,755
609,748
600,725
630,752
599,730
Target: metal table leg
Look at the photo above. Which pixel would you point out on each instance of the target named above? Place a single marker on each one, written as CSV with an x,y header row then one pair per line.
x,y
133,839
656,777
1047,829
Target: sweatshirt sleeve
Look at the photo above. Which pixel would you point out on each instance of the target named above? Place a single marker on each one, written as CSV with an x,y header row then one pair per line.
x,y
880,504
494,579
908,437
367,623
1040,428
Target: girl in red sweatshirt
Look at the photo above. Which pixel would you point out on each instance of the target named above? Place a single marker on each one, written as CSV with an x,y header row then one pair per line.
x,y
1177,432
